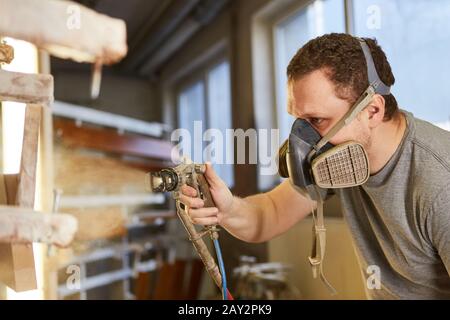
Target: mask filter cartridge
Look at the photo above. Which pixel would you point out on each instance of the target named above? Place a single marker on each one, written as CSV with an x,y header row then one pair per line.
x,y
343,166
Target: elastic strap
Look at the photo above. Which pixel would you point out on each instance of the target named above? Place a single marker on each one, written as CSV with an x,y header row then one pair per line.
x,y
319,245
372,74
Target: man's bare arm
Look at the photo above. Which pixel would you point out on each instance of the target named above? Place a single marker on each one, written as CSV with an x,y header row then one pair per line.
x,y
256,218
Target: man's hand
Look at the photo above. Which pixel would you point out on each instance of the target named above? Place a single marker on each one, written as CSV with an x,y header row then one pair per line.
x,y
255,218
220,193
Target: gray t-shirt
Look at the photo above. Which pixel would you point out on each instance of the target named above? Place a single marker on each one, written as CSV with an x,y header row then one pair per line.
x,y
400,219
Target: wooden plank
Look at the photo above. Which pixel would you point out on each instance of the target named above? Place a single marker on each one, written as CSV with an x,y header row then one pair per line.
x,y
7,275
25,87
197,270
46,181
66,29
23,263
5,250
142,283
164,282
170,283
3,194
11,181
110,141
17,269
78,173
19,225
27,175
177,291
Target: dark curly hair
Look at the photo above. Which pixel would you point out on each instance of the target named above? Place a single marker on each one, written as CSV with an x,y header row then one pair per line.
x,y
342,58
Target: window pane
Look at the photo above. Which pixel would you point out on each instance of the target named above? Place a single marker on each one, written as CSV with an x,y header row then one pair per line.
x,y
219,116
191,107
415,36
320,17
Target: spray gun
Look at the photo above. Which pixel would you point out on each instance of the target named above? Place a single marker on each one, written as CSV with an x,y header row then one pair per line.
x,y
172,179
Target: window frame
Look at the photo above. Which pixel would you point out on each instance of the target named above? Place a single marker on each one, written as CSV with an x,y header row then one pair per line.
x,y
283,17
265,88
201,75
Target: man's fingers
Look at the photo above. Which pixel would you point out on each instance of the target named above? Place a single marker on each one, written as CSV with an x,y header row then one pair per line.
x,y
205,221
188,190
191,202
204,216
203,212
211,175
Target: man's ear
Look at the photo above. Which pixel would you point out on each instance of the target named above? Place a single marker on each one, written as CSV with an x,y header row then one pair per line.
x,y
375,110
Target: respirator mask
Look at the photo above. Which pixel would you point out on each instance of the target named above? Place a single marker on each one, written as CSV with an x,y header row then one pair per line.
x,y
313,165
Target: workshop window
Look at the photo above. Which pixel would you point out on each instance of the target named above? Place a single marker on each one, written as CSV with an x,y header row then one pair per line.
x,y
192,106
416,38
208,100
290,34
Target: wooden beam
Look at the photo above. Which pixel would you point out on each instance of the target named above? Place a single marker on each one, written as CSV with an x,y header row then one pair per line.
x,y
164,282
65,29
19,225
25,87
27,175
195,279
17,269
142,284
46,182
110,141
178,289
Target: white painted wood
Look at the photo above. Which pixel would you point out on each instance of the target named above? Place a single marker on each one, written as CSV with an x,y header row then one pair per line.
x,y
113,251
65,29
106,278
94,282
20,225
85,201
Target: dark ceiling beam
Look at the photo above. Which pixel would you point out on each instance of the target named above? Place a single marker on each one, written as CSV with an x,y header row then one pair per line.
x,y
157,10
181,35
204,13
161,30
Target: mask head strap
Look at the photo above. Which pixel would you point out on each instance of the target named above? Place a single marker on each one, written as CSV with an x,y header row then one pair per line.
x,y
374,79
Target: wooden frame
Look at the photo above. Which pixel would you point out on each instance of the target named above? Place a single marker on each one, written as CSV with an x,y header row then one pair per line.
x,y
17,269
67,30
26,88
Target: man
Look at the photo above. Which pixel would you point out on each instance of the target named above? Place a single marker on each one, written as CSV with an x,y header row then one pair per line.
x,y
400,218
